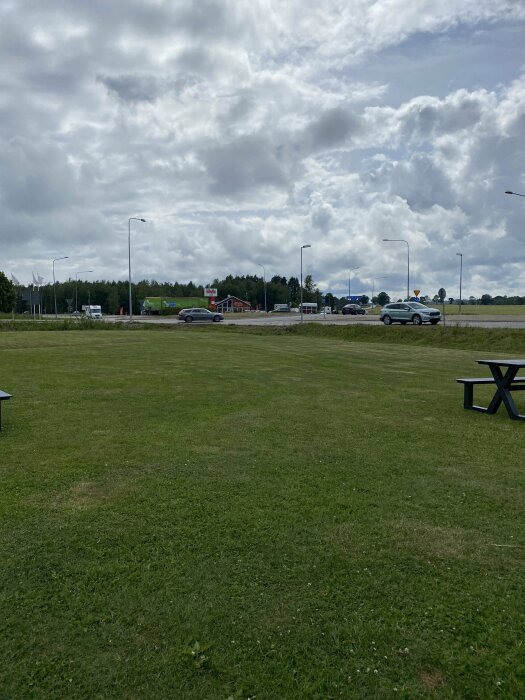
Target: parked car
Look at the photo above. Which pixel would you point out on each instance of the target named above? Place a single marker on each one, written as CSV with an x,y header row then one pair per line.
x,y
353,310
189,315
409,311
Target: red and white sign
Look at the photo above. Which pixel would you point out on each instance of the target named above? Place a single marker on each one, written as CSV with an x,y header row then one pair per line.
x,y
210,291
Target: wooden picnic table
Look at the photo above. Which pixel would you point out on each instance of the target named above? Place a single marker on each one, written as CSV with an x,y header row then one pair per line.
x,y
504,379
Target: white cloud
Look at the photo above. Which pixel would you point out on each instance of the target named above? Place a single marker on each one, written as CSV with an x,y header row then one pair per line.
x,y
241,129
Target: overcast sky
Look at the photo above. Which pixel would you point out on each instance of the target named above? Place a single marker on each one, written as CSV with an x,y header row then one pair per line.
x,y
243,129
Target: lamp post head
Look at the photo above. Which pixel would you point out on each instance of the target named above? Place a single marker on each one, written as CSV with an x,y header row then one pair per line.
x,y
306,245
143,220
461,254
508,192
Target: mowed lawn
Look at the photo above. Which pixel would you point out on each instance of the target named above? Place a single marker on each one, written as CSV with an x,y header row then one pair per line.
x,y
203,514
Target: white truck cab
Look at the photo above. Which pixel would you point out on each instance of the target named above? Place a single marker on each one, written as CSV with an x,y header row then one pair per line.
x,y
93,311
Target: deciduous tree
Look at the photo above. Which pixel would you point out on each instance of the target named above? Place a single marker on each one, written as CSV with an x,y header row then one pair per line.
x,y
7,294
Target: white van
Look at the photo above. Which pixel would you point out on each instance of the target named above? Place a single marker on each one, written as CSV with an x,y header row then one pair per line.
x,y
93,311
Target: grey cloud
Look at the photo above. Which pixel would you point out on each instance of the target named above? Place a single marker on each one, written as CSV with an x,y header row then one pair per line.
x,y
426,117
132,87
322,218
36,178
240,109
242,164
197,60
331,129
419,181
147,87
322,213
207,17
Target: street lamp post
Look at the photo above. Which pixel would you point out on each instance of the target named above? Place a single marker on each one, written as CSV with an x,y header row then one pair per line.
x,y
402,240
131,218
349,287
460,279
81,272
373,287
264,281
65,257
307,245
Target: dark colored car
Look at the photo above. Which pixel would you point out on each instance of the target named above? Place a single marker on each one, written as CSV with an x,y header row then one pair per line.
x,y
190,315
353,310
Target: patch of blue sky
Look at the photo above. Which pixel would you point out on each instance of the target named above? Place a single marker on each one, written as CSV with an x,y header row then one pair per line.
x,y
486,56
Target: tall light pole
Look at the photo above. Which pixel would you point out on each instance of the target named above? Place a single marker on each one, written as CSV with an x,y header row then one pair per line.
x,y
80,272
65,257
131,218
264,281
373,286
307,245
402,240
460,279
349,287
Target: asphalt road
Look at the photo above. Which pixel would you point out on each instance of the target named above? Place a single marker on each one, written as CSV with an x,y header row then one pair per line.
x,y
485,321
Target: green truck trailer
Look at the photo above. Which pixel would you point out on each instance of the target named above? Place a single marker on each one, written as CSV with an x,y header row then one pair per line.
x,y
154,306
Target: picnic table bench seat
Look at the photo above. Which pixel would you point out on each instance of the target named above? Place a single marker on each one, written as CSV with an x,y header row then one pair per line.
x,y
504,385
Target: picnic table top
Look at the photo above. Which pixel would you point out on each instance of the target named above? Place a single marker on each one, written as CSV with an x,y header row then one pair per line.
x,y
502,363
4,395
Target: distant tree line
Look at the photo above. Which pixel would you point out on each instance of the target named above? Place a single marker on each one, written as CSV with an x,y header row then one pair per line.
x,y
487,300
113,296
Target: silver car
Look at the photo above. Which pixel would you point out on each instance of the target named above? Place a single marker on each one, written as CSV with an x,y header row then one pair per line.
x,y
197,314
409,312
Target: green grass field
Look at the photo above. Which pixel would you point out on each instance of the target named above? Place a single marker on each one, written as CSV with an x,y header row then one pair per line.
x,y
480,310
209,513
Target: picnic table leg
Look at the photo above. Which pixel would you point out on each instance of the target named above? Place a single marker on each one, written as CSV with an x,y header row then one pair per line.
x,y
468,396
503,393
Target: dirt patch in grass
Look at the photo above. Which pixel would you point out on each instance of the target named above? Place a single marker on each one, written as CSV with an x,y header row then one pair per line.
x,y
433,679
441,542
89,494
